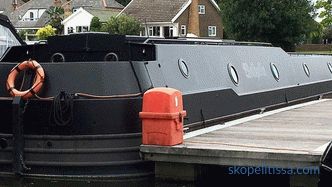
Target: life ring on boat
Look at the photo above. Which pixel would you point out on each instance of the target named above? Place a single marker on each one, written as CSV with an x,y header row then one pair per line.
x,y
38,82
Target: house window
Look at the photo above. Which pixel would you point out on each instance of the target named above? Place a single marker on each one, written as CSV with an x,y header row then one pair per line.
x,y
70,30
85,29
31,16
171,31
183,30
168,31
78,29
212,31
150,31
154,31
201,9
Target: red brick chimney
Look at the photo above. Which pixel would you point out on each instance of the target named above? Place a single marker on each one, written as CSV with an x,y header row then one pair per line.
x,y
193,24
67,8
15,4
57,3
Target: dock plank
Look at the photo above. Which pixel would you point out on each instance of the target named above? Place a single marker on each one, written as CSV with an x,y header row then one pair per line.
x,y
290,138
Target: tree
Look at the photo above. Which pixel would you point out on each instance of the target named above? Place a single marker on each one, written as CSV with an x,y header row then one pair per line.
x,y
45,32
56,17
282,23
95,24
123,24
327,35
326,13
315,34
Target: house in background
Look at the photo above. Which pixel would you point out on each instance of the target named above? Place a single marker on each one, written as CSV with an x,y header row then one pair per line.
x,y
8,6
32,15
173,18
80,20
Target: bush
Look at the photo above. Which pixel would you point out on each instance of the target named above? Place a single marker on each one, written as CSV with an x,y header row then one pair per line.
x,y
124,25
45,32
95,24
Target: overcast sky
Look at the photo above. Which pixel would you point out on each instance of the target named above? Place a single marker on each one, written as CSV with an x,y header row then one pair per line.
x,y
317,19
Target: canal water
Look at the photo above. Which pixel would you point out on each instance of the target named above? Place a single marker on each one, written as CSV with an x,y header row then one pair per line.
x,y
213,176
216,181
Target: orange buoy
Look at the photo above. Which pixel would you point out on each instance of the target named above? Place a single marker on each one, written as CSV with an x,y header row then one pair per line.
x,y
37,85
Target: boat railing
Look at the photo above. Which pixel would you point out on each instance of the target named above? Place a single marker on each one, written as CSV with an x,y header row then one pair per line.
x,y
203,41
308,54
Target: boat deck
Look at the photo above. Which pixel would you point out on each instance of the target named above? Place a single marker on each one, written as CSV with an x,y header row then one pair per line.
x,y
291,137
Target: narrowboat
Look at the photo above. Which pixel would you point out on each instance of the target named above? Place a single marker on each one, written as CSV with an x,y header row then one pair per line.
x,y
70,105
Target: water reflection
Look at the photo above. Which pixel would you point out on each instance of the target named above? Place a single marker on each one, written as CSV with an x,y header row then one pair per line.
x,y
49,182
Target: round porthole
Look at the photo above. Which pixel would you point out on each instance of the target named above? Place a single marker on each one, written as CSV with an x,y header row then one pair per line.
x,y
233,74
275,71
109,57
329,65
306,69
58,57
183,68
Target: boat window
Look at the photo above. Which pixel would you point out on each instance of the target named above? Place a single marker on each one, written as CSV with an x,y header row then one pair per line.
x,y
306,69
183,68
329,65
58,57
110,57
275,71
7,39
233,74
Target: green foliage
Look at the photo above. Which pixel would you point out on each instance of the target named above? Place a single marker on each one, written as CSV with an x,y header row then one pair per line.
x,y
22,34
28,34
123,2
327,33
282,23
95,24
326,13
315,32
56,16
123,24
45,32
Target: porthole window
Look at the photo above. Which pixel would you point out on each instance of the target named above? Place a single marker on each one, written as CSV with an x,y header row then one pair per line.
x,y
275,71
306,69
110,57
183,68
233,74
329,65
58,57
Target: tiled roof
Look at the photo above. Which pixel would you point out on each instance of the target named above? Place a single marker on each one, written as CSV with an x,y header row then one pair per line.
x,y
15,16
103,14
154,10
7,7
96,4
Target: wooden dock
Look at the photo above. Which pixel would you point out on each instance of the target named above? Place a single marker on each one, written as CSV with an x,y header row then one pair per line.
x,y
290,137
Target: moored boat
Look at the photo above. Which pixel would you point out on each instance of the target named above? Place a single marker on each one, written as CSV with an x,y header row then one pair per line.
x,y
84,119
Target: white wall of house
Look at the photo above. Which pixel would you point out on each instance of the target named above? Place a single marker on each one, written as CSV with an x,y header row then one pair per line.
x,y
160,29
33,14
79,21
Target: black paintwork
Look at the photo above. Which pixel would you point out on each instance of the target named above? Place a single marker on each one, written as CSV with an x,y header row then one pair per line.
x,y
104,138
